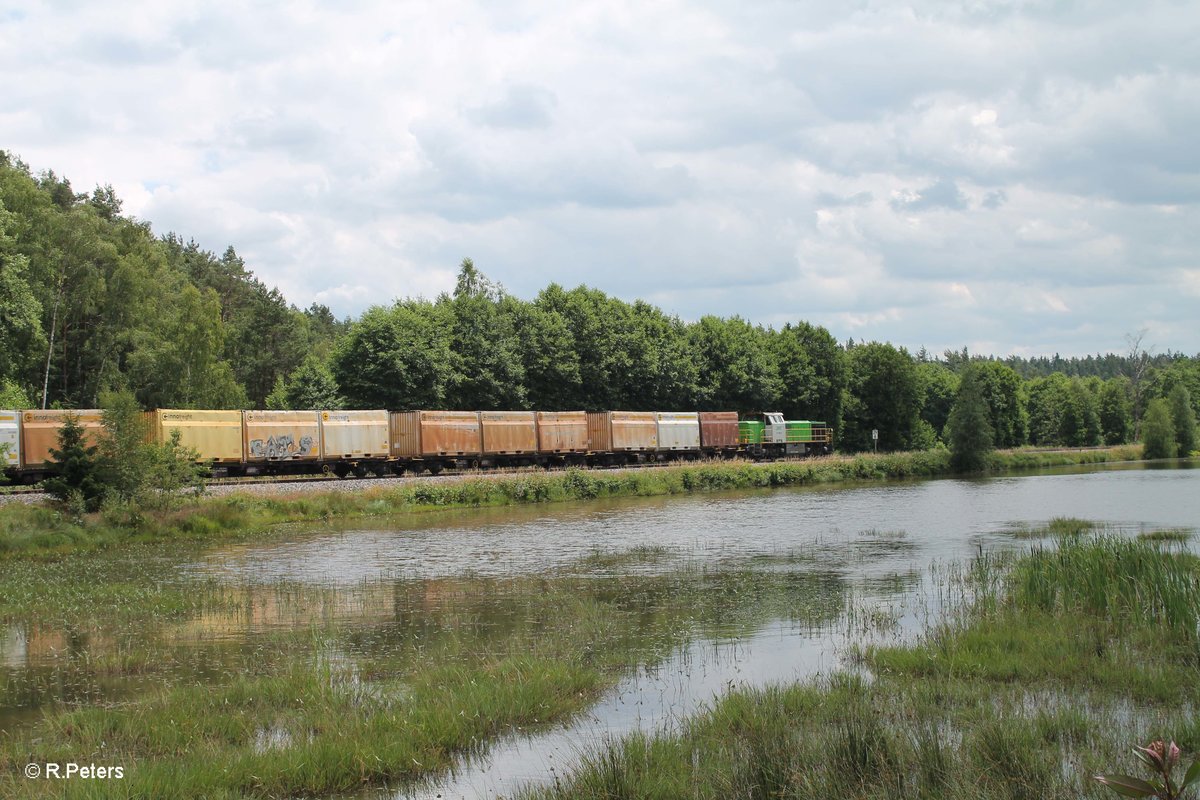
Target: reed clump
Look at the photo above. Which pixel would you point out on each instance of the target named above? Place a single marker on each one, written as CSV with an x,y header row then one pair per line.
x,y
1067,654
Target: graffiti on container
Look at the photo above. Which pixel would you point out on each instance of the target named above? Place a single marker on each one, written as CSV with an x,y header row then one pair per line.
x,y
281,446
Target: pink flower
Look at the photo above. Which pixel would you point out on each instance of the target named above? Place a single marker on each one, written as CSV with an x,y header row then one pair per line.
x,y
1172,754
1156,751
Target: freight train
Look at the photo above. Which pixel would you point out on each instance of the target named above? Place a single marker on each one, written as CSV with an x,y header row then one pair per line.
x,y
363,443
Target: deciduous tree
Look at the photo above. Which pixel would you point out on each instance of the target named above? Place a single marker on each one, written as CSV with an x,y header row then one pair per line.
x,y
1184,419
969,424
1158,430
884,394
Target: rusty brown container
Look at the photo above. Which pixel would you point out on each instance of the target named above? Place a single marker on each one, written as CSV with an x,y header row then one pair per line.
x,y
405,436
509,432
450,433
599,431
281,436
718,429
215,435
562,431
620,431
435,433
39,432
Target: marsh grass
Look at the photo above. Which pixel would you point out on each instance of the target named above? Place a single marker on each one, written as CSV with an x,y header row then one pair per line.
x,y
1064,656
1166,535
1069,526
385,681
47,532
607,560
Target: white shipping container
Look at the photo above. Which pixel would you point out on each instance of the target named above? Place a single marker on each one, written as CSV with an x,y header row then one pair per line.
x,y
10,438
354,434
678,430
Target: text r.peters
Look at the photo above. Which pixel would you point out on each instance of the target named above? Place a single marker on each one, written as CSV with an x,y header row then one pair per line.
x,y
82,771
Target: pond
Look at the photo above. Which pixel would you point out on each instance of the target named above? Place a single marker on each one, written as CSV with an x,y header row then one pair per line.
x,y
687,597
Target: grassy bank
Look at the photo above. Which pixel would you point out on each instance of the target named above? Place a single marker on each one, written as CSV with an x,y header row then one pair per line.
x,y
43,531
1067,657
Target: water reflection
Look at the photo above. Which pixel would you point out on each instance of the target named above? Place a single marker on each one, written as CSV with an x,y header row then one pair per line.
x,y
717,591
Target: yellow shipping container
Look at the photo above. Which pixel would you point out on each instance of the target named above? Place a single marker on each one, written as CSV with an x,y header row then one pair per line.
x,y
215,435
281,435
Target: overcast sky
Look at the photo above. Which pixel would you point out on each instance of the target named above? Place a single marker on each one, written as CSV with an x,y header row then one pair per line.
x,y
1014,177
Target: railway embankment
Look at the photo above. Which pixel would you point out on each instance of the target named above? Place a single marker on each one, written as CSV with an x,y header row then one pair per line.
x,y
43,530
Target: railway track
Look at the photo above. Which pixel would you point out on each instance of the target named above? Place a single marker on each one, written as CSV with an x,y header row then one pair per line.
x,y
271,484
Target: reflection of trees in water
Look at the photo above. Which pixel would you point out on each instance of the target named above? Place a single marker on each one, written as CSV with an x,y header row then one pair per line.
x,y
407,625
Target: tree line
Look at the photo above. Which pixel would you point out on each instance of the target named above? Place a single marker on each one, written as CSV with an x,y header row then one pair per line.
x,y
91,301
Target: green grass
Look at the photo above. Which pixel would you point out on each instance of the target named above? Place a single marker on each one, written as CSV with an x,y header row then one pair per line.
x,y
1166,535
413,673
1067,657
47,532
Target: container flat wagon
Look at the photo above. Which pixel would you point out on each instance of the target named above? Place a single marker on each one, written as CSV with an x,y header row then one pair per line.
x,y
435,440
562,437
509,437
678,433
621,437
280,442
355,442
719,433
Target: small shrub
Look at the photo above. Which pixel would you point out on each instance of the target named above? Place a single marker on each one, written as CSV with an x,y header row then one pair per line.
x,y
77,480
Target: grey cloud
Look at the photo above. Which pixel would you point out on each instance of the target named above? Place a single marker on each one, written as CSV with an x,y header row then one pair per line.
x,y
279,134
522,108
942,193
472,178
830,200
125,50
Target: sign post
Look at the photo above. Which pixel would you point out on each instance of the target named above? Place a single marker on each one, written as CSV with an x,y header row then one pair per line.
x,y
875,438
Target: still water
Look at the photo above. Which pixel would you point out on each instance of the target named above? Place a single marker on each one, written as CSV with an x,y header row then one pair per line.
x,y
825,565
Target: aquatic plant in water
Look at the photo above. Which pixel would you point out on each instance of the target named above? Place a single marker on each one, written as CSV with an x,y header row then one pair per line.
x,y
1161,758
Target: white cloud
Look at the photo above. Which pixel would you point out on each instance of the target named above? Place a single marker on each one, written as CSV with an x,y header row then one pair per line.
x,y
1012,174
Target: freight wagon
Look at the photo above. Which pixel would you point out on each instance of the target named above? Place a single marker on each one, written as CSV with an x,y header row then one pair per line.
x,y
378,442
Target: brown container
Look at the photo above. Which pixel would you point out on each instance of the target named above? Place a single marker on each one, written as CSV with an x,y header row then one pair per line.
x,y
599,431
215,435
509,432
718,429
435,433
562,431
405,436
281,436
39,432
619,431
